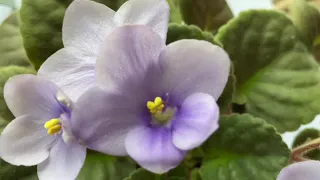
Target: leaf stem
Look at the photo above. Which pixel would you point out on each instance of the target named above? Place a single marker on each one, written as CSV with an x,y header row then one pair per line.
x,y
298,153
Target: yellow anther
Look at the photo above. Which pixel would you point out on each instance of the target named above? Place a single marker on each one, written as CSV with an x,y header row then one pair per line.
x,y
54,129
53,126
156,106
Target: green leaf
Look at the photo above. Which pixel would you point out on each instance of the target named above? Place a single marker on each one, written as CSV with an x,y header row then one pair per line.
x,y
10,172
41,26
5,74
11,46
180,31
225,100
102,167
175,14
244,147
305,136
277,77
209,15
306,17
195,175
178,173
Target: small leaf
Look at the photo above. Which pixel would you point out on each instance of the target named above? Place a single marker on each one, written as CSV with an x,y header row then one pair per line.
x,y
305,136
306,17
209,15
195,175
180,31
178,173
11,46
41,26
102,167
244,147
277,77
5,74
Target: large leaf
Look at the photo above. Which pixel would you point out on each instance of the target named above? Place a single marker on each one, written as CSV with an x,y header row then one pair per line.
x,y
244,148
277,78
102,167
306,17
11,46
209,15
10,172
5,74
41,25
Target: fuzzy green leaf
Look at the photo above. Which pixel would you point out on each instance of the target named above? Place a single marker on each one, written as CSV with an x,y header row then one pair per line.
x,y
209,15
244,148
11,46
102,167
277,77
41,26
306,17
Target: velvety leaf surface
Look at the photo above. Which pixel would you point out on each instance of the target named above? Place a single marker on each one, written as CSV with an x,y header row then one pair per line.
x,y
11,46
277,77
244,148
209,15
102,167
306,17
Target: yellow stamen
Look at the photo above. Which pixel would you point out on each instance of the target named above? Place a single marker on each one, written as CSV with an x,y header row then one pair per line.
x,y
53,126
156,106
54,129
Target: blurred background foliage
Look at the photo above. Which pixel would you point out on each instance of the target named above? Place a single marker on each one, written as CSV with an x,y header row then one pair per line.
x,y
273,87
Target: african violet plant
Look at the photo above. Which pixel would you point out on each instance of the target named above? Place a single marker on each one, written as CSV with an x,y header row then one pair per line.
x,y
157,90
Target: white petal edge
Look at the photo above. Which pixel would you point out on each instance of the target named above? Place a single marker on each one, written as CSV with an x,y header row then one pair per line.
x,y
306,170
86,24
64,163
153,13
25,141
72,70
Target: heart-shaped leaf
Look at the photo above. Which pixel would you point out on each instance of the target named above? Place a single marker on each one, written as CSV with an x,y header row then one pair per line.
x,y
277,77
244,148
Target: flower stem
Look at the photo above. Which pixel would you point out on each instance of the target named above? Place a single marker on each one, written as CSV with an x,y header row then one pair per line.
x,y
298,152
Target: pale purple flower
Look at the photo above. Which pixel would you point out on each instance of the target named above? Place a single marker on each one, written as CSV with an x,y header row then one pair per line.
x,y
85,26
306,170
41,132
182,82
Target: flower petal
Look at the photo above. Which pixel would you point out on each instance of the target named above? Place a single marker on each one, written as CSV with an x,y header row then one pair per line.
x,y
306,170
31,95
72,70
25,142
86,24
152,148
192,66
103,119
196,121
154,13
127,55
64,163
